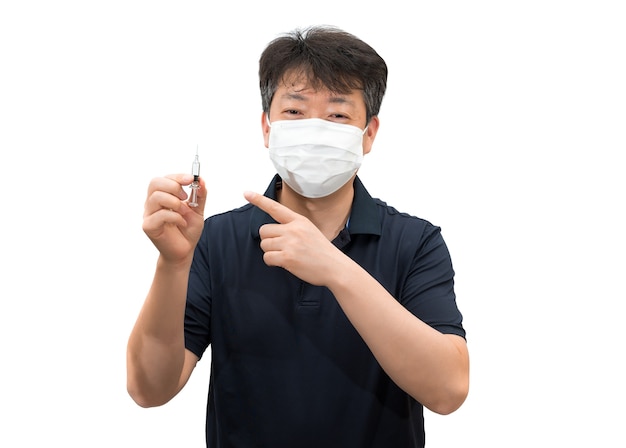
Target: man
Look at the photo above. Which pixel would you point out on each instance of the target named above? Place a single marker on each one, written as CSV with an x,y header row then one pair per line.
x,y
331,316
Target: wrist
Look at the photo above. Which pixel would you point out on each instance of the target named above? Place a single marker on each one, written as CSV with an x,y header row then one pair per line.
x,y
174,265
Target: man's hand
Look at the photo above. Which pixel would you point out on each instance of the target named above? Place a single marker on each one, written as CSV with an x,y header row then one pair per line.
x,y
295,244
172,226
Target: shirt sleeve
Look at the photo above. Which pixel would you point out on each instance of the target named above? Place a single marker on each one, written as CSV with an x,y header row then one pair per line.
x,y
198,307
428,291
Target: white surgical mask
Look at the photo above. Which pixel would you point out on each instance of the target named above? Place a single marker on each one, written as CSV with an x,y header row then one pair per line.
x,y
315,157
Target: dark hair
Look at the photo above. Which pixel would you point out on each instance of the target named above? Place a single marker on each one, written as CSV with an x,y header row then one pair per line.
x,y
326,57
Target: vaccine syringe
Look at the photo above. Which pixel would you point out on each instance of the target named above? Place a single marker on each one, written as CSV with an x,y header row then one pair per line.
x,y
195,170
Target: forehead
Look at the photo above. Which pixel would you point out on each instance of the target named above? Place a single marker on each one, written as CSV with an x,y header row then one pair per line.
x,y
297,86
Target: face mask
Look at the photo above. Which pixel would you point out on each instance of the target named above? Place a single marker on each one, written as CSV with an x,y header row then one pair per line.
x,y
315,157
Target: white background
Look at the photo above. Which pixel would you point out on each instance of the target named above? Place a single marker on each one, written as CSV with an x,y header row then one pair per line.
x,y
504,123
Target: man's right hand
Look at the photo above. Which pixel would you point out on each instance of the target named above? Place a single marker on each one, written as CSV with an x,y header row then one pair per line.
x,y
171,224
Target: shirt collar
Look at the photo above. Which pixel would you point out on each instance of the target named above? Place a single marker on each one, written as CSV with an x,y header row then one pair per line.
x,y
364,217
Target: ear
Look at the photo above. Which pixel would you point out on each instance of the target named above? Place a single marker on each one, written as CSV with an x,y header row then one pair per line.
x,y
370,134
266,129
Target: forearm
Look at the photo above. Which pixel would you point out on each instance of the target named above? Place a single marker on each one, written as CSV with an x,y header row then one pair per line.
x,y
156,347
430,366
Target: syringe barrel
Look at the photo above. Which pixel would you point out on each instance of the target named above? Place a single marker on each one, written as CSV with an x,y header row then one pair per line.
x,y
195,167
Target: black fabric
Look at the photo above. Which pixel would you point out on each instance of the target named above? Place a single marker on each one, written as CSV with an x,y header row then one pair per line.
x,y
288,368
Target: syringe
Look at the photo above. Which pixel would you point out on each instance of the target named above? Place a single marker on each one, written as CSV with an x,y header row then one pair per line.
x,y
195,170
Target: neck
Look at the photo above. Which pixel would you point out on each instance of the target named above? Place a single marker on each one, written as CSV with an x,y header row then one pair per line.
x,y
329,214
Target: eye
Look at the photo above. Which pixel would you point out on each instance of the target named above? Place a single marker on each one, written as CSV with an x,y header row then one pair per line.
x,y
289,114
340,118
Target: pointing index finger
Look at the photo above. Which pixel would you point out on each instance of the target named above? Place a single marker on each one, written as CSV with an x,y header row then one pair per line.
x,y
273,208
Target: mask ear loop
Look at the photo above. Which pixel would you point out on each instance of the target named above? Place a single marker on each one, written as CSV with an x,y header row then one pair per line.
x,y
279,182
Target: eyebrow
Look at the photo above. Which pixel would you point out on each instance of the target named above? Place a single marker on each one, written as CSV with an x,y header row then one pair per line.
x,y
293,96
341,100
332,100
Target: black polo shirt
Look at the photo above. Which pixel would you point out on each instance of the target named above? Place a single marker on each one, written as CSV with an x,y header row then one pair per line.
x,y
288,368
